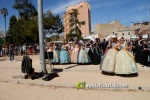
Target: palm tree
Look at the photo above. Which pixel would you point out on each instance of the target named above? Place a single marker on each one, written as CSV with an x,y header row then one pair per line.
x,y
75,24
5,13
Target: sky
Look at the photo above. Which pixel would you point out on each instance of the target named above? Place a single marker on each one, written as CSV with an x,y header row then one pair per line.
x,y
102,11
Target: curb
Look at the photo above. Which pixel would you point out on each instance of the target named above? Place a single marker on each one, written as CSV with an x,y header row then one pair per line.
x,y
139,88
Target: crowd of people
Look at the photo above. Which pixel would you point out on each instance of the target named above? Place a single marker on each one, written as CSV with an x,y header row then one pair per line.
x,y
15,50
77,52
117,56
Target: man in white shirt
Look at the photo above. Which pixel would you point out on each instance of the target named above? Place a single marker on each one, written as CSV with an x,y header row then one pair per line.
x,y
24,49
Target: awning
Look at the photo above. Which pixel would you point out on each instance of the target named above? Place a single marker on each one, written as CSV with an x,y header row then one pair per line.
x,y
134,37
145,36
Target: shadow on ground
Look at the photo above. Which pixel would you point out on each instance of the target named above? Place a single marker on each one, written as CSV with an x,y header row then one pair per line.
x,y
71,66
121,75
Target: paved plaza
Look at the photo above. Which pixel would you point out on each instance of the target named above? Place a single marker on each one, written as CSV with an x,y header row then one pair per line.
x,y
13,87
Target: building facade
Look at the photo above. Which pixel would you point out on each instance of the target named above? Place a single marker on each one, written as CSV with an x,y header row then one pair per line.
x,y
127,34
84,15
141,29
109,28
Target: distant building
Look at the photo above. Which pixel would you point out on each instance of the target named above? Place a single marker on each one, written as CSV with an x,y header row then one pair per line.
x,y
127,34
109,28
84,15
141,29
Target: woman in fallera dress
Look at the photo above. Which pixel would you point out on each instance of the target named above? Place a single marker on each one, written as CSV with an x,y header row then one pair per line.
x,y
125,63
68,48
64,57
74,54
55,54
83,56
109,59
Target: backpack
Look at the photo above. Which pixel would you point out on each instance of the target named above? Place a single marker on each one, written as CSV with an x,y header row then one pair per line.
x,y
26,66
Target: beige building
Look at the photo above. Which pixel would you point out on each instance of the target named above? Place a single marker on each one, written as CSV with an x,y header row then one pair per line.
x,y
127,34
142,28
84,15
135,30
109,28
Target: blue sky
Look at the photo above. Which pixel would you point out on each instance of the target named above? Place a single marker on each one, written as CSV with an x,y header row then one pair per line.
x,y
102,11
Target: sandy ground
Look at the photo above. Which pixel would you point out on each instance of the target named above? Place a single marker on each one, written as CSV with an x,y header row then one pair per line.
x,y
11,91
69,76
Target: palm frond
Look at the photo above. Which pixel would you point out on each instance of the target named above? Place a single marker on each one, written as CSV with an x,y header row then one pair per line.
x,y
72,24
82,23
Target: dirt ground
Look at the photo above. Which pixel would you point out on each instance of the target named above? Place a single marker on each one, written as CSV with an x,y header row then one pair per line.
x,y
13,91
69,75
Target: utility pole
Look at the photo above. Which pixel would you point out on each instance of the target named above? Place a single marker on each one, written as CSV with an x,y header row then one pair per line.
x,y
149,23
41,36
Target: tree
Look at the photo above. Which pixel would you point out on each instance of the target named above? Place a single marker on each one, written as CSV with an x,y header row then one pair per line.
x,y
75,24
5,13
31,31
1,38
52,24
25,8
10,33
13,20
23,31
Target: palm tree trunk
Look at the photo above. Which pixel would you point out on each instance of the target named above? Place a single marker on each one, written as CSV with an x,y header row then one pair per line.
x,y
5,25
5,29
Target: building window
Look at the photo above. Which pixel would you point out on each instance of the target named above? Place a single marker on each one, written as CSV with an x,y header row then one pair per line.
x,y
129,33
116,34
122,34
